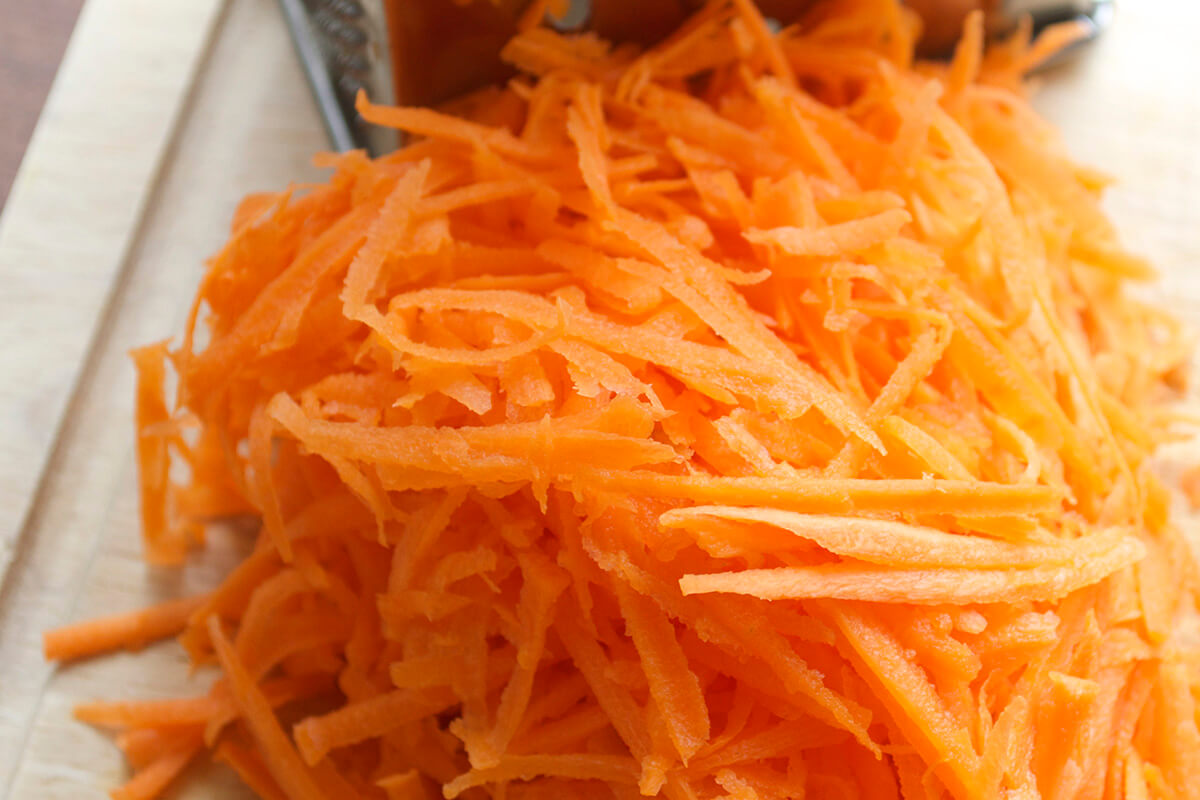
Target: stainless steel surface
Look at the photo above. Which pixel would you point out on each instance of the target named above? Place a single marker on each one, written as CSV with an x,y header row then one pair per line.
x,y
1095,14
344,46
1045,12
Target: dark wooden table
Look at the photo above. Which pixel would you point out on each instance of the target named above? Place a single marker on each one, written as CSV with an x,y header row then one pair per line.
x,y
33,35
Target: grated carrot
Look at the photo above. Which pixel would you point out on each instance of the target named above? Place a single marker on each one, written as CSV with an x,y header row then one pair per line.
x,y
151,780
131,631
756,415
1189,484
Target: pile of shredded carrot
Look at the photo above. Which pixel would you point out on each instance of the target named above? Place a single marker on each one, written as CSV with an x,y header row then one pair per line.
x,y
761,415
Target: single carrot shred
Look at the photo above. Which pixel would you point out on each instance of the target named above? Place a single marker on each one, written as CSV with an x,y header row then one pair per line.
x,y
130,631
163,539
279,754
151,780
757,415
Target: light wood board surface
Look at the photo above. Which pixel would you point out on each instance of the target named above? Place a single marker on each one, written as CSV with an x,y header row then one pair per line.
x,y
197,103
246,123
76,206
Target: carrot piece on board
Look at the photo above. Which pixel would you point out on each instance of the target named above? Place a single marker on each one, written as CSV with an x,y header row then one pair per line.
x,y
249,766
582,766
279,754
131,630
152,780
160,535
850,581
673,685
882,541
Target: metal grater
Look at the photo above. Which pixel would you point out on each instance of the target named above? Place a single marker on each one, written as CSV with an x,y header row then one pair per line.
x,y
343,46
422,52
408,52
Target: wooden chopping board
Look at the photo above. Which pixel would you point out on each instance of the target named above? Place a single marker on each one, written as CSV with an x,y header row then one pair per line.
x,y
163,116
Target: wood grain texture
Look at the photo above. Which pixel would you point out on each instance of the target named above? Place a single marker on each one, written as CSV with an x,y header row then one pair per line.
x,y
251,126
75,207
